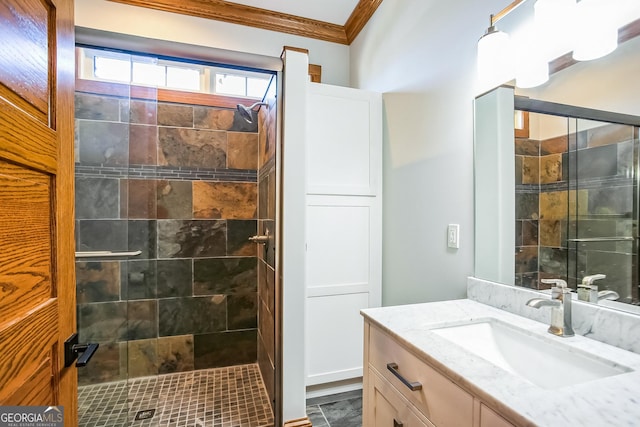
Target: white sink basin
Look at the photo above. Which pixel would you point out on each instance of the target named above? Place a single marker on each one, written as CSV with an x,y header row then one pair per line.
x,y
544,362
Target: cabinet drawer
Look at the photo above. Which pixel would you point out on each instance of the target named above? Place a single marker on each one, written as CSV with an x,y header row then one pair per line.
x,y
443,402
387,408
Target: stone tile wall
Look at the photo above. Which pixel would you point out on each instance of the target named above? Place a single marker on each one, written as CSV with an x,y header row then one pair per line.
x,y
575,186
527,211
178,182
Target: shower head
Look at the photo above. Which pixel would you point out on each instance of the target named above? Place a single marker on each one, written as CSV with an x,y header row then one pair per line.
x,y
245,112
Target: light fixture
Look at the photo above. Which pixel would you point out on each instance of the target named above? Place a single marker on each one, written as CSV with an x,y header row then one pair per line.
x,y
589,28
532,67
553,12
554,26
494,56
495,51
530,59
596,31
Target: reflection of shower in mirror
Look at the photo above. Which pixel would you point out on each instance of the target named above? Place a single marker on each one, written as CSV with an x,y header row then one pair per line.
x,y
558,201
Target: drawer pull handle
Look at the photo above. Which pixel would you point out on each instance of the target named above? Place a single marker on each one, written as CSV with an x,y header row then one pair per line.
x,y
413,386
397,423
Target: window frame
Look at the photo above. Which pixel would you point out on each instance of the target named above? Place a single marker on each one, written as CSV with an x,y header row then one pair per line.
x,y
86,70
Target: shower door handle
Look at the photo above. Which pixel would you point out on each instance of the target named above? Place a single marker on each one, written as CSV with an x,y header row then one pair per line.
x,y
263,240
82,352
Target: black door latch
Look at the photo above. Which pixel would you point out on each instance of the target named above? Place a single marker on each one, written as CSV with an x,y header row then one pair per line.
x,y
72,350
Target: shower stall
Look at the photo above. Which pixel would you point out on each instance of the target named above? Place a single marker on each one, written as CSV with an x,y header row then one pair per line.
x,y
577,197
175,190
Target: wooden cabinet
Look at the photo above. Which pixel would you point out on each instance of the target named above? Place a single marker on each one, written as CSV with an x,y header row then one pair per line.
x,y
489,418
443,402
389,408
402,389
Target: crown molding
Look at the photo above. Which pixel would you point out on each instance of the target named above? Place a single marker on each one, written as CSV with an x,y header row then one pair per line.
x,y
234,13
361,14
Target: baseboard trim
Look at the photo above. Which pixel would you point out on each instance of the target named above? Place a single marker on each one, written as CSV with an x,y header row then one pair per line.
x,y
333,388
300,422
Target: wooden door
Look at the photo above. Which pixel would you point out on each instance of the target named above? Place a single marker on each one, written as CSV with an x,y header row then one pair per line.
x,y
37,283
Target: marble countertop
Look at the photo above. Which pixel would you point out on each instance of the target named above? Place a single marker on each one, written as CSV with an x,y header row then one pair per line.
x,y
610,401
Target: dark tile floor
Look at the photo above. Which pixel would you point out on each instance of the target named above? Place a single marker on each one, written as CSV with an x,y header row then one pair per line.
x,y
336,410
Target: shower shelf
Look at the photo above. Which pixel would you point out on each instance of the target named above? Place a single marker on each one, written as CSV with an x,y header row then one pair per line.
x,y
602,239
106,254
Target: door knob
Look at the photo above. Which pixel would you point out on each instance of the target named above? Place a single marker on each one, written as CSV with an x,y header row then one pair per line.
x,y
82,352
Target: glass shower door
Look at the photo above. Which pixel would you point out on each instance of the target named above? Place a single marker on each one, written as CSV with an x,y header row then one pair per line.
x,y
603,206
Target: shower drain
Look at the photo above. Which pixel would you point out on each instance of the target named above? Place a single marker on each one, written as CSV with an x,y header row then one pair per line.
x,y
145,415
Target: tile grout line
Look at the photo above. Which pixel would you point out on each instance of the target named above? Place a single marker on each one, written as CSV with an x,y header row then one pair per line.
x,y
324,416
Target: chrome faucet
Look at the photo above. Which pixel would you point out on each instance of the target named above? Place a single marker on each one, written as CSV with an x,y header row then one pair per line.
x,y
588,291
560,304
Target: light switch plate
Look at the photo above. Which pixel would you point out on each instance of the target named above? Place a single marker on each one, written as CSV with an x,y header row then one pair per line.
x,y
453,236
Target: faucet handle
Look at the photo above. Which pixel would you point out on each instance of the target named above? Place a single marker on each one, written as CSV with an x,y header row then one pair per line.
x,y
558,283
588,280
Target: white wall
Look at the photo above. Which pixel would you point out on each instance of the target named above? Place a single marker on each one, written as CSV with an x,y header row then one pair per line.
x,y
108,16
422,55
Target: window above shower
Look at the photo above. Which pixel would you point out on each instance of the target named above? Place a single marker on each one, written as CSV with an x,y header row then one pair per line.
x,y
117,67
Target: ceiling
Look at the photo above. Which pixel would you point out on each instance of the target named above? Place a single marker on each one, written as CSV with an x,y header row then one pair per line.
x,y
333,11
337,21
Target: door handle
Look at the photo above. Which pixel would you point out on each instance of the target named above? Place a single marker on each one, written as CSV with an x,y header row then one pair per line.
x,y
82,352
87,351
413,386
397,423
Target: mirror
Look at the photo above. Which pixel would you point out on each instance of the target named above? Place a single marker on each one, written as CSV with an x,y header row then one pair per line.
x,y
562,201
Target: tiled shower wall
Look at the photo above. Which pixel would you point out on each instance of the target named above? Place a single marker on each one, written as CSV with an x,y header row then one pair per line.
x,y
563,192
178,182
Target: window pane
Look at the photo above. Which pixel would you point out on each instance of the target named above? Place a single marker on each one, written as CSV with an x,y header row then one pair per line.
x,y
183,78
112,69
256,88
230,84
148,74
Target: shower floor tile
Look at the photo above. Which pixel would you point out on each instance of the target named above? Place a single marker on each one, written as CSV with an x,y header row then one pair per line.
x,y
227,397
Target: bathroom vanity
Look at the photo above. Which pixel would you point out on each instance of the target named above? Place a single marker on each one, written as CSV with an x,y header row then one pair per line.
x,y
428,398
433,364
